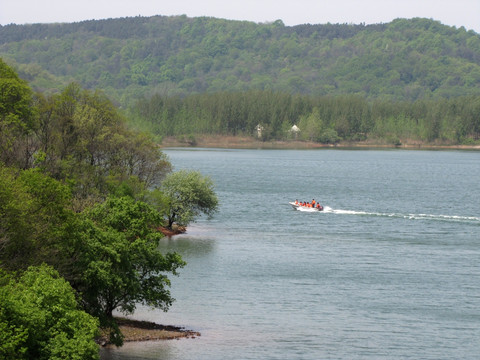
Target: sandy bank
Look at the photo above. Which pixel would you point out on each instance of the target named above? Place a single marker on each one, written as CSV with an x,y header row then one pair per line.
x,y
245,142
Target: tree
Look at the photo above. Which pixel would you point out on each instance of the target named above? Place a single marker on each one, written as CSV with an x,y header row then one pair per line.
x,y
35,221
40,319
186,194
14,204
84,139
16,117
312,126
117,262
329,136
108,253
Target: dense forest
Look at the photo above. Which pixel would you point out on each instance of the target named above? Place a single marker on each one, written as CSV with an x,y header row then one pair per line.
x,y
323,119
83,200
410,80
406,59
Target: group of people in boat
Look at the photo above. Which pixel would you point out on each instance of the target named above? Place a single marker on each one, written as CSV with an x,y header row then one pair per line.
x,y
312,204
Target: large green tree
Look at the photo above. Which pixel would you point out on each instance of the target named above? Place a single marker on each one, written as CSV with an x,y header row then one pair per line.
x,y
40,318
118,264
184,195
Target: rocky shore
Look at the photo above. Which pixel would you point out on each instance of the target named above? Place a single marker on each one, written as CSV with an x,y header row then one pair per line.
x,y
175,230
136,330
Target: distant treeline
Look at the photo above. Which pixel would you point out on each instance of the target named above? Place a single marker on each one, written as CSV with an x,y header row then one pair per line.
x,y
325,119
406,59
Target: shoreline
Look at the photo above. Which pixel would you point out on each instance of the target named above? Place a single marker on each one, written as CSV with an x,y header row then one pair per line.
x,y
176,230
245,142
139,330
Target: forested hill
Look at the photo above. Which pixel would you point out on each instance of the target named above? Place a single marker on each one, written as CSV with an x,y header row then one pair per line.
x,y
131,57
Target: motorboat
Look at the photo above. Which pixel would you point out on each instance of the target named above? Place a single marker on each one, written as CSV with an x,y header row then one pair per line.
x,y
299,207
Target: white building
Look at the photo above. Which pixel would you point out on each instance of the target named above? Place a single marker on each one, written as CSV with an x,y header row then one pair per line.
x,y
259,129
295,130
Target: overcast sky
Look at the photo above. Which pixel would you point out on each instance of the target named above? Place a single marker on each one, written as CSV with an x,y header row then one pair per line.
x,y
292,12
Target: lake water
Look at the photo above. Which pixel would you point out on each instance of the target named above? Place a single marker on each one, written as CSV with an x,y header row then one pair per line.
x,y
390,270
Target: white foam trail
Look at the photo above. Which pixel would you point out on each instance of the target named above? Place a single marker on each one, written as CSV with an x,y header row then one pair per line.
x,y
453,218
458,218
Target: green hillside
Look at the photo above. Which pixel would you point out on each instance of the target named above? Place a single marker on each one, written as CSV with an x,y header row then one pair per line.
x,y
128,58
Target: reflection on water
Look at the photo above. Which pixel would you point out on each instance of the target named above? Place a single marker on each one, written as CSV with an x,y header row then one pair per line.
x,y
188,245
147,350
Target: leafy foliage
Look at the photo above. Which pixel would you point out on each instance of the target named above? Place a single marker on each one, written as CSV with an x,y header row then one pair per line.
x,y
119,265
40,319
77,207
108,253
185,195
84,138
34,218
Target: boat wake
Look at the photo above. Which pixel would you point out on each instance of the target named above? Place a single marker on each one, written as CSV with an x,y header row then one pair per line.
x,y
450,218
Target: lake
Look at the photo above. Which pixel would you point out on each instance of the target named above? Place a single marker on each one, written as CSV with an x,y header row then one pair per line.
x,y
390,269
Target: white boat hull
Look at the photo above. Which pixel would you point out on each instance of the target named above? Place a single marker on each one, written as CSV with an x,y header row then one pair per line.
x,y
304,208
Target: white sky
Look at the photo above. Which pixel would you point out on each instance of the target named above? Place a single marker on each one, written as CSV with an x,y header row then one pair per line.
x,y
292,12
